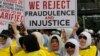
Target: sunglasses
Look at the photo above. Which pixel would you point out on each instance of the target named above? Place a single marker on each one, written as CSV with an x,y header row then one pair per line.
x,y
82,36
68,44
2,38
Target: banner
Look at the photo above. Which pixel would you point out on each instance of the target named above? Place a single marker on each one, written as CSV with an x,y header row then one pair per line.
x,y
47,14
11,10
3,26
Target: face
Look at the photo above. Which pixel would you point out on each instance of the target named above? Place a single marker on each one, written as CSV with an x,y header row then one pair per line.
x,y
54,44
71,51
70,48
82,40
2,41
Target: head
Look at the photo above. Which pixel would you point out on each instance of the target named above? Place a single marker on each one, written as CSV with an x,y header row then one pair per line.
x,y
8,33
82,39
86,30
55,43
98,32
85,39
72,47
39,38
29,43
5,41
55,32
91,31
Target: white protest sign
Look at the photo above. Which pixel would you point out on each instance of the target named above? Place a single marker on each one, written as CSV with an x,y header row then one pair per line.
x,y
11,10
47,14
3,26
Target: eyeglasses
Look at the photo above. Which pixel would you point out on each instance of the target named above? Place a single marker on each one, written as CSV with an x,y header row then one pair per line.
x,y
68,44
82,36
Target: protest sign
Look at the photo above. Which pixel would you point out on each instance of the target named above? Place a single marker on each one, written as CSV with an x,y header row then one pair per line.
x,y
11,11
47,14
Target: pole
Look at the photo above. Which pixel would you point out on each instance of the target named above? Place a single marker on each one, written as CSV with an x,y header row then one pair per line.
x,y
83,21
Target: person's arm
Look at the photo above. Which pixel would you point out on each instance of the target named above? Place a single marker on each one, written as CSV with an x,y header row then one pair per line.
x,y
14,27
23,29
17,36
75,30
63,35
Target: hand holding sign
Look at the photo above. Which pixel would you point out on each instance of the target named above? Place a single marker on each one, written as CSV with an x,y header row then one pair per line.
x,y
14,27
76,27
23,29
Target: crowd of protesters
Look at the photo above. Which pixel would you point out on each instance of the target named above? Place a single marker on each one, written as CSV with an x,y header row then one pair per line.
x,y
19,41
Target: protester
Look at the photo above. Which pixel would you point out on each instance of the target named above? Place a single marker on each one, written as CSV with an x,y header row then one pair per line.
x,y
5,44
71,48
31,47
46,34
68,33
85,45
11,38
55,44
16,36
41,43
39,37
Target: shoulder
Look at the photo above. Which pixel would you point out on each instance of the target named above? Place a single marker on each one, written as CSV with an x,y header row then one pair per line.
x,y
93,47
21,53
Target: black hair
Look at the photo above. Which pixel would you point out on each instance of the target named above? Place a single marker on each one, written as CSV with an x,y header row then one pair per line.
x,y
21,41
55,37
3,36
48,30
30,42
69,44
7,33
